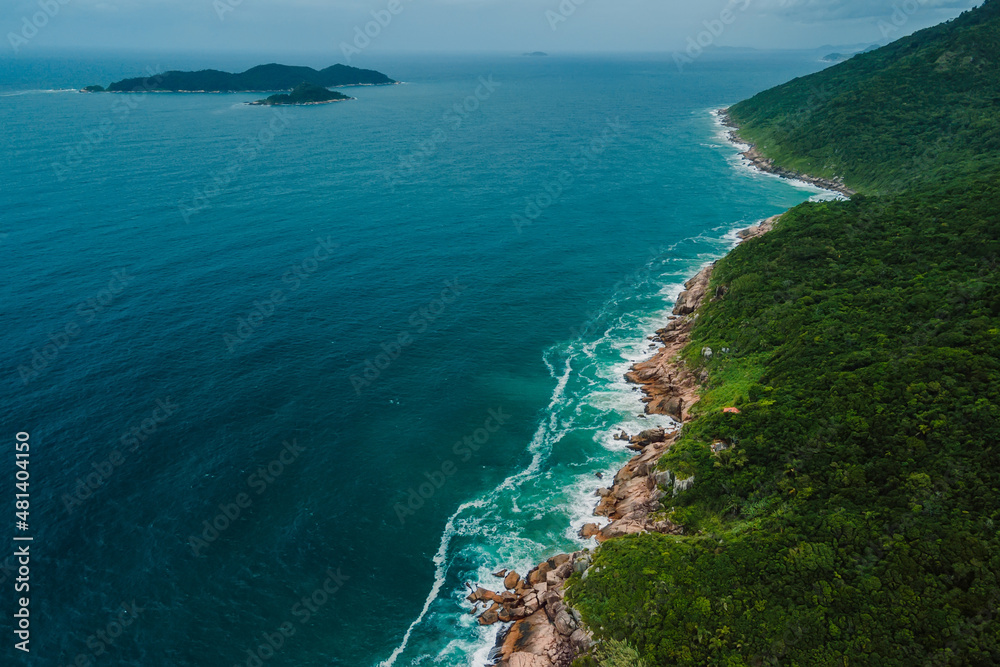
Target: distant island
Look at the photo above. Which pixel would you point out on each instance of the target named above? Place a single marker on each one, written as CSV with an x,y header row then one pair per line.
x,y
303,94
263,78
536,54
838,57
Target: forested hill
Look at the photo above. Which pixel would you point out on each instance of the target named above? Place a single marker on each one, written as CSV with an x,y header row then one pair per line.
x,y
852,517
925,106
271,77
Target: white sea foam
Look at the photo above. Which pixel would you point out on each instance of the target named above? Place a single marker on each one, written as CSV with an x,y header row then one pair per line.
x,y
46,91
593,401
440,569
539,446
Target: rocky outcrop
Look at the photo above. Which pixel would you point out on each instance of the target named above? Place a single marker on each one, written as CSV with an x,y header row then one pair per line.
x,y
669,388
759,229
635,496
766,164
546,632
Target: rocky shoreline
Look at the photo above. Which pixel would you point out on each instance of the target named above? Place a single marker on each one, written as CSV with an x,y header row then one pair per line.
x,y
545,631
766,164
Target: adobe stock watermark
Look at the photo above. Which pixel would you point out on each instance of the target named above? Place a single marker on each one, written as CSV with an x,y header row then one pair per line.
x,y
262,310
31,25
121,108
87,312
101,642
562,13
223,7
302,611
418,323
628,281
554,188
452,119
363,35
246,154
714,29
258,482
132,440
902,12
464,450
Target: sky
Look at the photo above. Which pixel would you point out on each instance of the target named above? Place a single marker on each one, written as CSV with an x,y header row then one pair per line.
x,y
356,28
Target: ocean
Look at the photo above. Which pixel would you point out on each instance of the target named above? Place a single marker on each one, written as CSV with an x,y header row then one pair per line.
x,y
292,377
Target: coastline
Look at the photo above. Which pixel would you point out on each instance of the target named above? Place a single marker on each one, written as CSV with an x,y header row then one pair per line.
x,y
764,164
544,630
261,103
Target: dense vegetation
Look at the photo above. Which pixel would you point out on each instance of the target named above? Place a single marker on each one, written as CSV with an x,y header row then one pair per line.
x,y
880,119
852,521
260,78
304,93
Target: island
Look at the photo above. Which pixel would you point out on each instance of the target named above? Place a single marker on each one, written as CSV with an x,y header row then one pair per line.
x,y
302,95
263,78
537,54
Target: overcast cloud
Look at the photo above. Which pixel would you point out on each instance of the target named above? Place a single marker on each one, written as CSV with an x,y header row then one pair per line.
x,y
321,26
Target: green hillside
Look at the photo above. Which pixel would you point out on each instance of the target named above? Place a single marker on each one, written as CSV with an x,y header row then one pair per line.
x,y
260,78
925,106
854,519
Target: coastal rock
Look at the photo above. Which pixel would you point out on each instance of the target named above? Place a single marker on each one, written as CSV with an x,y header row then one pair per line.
x,y
751,233
489,617
649,436
694,292
528,660
538,574
480,595
565,624
545,628
581,641
766,164
511,581
556,561
553,606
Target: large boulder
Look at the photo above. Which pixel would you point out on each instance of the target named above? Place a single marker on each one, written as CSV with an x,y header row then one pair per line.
x,y
581,641
538,574
556,561
565,623
648,437
481,595
564,570
528,660
511,581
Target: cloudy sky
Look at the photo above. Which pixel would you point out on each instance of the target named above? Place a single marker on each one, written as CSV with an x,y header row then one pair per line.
x,y
466,25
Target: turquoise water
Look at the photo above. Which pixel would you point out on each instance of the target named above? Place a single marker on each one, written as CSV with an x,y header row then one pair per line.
x,y
306,319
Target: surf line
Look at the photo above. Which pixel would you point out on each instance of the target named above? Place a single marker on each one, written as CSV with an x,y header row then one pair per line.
x,y
441,557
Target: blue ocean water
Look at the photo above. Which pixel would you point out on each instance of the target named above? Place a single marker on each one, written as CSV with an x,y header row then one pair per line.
x,y
293,377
